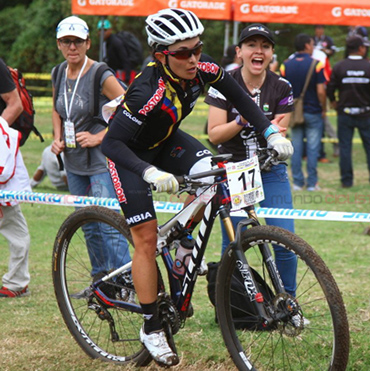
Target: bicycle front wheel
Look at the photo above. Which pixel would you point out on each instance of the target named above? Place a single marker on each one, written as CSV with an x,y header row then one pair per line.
x,y
92,242
315,339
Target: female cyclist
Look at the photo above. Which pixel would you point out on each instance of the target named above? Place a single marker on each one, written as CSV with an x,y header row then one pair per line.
x,y
146,147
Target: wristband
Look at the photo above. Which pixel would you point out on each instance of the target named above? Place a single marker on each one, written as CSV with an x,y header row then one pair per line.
x,y
238,120
272,129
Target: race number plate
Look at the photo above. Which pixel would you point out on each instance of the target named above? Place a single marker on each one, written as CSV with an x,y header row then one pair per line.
x,y
245,183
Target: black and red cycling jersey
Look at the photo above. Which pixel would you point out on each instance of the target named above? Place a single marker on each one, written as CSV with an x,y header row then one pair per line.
x,y
153,108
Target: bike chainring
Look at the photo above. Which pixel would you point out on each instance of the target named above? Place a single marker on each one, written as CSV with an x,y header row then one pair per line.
x,y
168,313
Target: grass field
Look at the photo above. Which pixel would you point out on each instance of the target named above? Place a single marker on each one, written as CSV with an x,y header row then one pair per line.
x,y
33,334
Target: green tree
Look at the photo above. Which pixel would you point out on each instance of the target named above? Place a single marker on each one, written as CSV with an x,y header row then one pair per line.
x,y
27,29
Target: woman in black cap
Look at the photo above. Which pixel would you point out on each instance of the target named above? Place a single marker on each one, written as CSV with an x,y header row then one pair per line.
x,y
233,134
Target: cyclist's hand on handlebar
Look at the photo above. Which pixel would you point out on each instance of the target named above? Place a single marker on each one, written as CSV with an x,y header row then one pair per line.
x,y
281,145
162,181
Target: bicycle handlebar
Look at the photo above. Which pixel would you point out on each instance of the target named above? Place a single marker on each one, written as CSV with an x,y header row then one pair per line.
x,y
267,158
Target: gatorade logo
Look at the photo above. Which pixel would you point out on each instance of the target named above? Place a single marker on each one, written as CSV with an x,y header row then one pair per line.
x,y
337,11
350,12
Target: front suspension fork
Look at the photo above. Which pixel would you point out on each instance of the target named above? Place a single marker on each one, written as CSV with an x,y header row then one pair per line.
x,y
241,262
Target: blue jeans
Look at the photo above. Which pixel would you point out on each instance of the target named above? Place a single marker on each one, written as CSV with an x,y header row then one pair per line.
x,y
107,248
346,128
278,195
311,130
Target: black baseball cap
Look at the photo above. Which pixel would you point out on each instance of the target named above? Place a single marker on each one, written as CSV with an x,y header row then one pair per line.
x,y
256,29
354,42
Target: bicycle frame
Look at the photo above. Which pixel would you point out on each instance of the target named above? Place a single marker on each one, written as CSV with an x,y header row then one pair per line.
x,y
215,199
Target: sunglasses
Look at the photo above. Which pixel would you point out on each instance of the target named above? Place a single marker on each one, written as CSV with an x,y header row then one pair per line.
x,y
185,53
68,42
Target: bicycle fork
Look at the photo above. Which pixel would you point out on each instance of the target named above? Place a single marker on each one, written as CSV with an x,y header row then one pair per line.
x,y
250,285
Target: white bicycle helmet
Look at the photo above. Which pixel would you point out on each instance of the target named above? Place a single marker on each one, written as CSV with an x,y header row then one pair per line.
x,y
171,25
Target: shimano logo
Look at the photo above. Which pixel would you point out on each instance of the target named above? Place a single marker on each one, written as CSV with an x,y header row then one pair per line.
x,y
155,99
138,218
132,118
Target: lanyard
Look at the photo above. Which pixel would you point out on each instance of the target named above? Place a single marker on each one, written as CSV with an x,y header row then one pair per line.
x,y
68,110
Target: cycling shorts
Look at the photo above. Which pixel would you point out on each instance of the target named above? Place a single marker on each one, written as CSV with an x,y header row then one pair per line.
x,y
176,156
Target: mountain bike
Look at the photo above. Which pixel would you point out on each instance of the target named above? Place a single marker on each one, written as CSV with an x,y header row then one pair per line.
x,y
305,332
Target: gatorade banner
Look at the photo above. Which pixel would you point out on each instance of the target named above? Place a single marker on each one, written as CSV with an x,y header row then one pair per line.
x,y
327,12
204,9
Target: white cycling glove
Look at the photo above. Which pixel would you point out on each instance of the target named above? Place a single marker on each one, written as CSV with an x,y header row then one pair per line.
x,y
281,145
163,182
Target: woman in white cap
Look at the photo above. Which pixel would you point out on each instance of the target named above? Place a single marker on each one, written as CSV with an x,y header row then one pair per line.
x,y
232,133
147,147
78,134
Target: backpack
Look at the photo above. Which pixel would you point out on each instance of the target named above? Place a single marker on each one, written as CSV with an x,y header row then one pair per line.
x,y
245,319
133,47
25,121
94,92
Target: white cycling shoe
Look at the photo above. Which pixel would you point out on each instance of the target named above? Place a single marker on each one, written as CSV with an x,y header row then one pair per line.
x,y
157,345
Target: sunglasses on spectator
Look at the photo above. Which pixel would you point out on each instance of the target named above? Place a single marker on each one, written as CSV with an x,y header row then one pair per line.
x,y
185,53
68,42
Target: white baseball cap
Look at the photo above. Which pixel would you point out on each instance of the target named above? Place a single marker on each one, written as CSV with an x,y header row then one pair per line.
x,y
73,26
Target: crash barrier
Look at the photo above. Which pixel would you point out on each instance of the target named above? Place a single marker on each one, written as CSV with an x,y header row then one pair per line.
x,y
174,207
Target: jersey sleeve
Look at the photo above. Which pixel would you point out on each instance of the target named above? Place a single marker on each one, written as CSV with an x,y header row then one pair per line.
x,y
124,126
121,130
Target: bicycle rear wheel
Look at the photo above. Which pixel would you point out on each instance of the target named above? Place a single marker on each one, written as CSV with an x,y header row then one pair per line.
x,y
102,331
322,344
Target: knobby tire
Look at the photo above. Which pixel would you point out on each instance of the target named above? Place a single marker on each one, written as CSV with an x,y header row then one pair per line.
x,y
323,344
71,267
